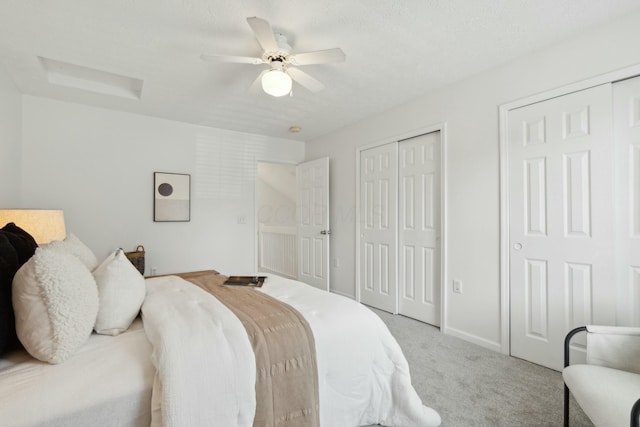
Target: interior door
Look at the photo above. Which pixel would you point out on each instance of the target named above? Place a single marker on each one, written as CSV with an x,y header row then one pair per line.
x,y
313,222
561,216
378,241
626,110
419,228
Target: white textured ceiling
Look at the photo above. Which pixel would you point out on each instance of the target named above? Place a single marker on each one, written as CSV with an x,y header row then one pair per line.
x,y
396,50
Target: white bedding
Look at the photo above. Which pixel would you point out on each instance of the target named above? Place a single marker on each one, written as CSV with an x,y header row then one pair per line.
x,y
108,383
363,375
206,370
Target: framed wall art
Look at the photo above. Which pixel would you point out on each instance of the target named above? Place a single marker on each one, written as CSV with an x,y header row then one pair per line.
x,y
171,197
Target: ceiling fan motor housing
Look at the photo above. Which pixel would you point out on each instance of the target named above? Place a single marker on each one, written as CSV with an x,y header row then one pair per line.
x,y
282,54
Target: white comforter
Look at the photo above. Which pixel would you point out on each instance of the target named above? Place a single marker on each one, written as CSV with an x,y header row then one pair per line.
x,y
206,367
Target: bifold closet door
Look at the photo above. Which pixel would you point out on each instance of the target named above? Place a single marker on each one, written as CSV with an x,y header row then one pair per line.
x,y
378,193
561,220
419,228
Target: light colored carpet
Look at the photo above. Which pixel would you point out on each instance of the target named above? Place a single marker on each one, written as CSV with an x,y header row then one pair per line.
x,y
473,386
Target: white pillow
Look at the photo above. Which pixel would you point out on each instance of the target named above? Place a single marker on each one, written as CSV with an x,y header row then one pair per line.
x,y
121,290
55,301
74,246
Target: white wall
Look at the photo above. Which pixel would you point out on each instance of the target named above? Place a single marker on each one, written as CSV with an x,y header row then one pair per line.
x,y
98,166
276,194
10,137
470,110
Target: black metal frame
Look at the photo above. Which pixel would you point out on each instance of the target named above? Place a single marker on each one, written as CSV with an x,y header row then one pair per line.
x,y
634,420
635,414
567,342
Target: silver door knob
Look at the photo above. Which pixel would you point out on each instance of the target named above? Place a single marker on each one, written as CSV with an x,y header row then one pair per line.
x,y
517,246
325,232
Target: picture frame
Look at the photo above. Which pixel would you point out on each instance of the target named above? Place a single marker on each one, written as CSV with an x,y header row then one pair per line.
x,y
171,197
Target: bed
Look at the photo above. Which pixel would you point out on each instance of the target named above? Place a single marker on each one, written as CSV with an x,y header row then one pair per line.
x,y
108,382
186,359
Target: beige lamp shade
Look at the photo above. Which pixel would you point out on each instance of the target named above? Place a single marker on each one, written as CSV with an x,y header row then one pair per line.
x,y
44,225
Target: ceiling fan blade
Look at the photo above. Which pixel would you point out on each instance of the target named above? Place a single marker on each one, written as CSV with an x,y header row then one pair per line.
x,y
232,59
305,79
264,34
256,86
318,57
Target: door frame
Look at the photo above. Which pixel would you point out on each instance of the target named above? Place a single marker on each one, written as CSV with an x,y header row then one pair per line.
x,y
438,127
504,109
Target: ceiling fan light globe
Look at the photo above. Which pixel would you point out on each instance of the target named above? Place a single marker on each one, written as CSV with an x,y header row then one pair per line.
x,y
276,83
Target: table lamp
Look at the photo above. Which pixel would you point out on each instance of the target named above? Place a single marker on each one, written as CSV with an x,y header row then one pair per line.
x,y
43,224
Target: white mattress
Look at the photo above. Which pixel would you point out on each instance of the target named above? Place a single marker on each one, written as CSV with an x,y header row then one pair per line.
x,y
107,383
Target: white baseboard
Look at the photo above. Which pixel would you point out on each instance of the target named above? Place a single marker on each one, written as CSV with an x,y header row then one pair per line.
x,y
482,342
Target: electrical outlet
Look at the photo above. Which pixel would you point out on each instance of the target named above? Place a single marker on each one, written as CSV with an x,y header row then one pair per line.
x,y
457,286
336,262
242,219
153,271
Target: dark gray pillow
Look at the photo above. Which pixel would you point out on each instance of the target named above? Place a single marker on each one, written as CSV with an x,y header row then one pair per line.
x,y
22,241
16,247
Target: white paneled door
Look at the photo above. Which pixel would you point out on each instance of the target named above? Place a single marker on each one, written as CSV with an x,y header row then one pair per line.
x,y
561,230
378,192
313,222
626,111
419,228
400,227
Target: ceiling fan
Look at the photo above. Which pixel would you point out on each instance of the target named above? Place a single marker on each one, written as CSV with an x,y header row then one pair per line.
x,y
277,79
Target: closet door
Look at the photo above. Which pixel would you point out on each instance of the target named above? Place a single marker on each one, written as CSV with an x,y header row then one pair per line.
x,y
626,97
378,192
419,228
561,221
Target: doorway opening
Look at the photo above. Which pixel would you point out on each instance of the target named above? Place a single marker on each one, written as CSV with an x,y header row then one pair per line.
x,y
276,219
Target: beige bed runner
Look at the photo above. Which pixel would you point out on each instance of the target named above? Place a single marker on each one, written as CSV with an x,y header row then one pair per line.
x,y
286,372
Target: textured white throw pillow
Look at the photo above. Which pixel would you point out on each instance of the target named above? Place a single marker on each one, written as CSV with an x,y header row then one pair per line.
x,y
55,300
74,246
121,290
